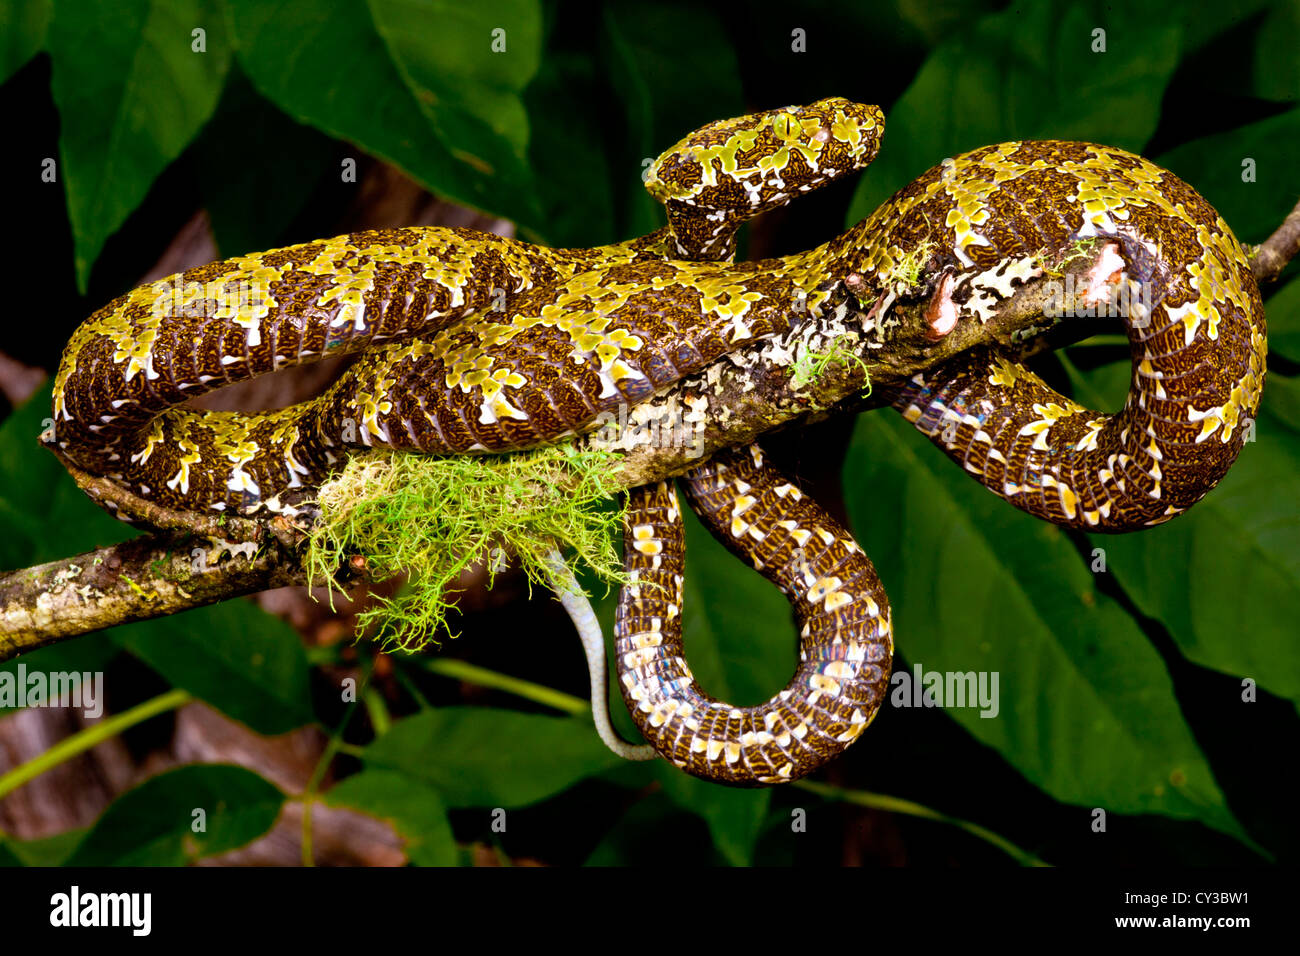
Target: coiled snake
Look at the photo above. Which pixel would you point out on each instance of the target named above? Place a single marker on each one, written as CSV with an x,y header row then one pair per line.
x,y
474,343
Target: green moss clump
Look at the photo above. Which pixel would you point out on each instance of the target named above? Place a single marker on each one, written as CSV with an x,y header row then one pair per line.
x,y
907,271
810,365
432,518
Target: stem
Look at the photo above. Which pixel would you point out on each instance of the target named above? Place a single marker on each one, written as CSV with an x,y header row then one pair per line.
x,y
377,711
95,734
470,673
409,685
880,801
1096,340
332,747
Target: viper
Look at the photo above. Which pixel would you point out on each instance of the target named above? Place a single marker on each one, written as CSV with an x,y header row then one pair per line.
x,y
475,343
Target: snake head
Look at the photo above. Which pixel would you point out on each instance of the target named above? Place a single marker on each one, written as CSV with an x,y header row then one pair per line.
x,y
749,165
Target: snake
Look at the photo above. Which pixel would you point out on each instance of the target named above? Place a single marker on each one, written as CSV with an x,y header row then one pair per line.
x,y
476,343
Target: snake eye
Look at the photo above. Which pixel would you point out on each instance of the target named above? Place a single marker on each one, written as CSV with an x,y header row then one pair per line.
x,y
785,125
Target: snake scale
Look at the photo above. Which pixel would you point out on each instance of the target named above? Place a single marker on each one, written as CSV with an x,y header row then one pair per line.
x,y
477,343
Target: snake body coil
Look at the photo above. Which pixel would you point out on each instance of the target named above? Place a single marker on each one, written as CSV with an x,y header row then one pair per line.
x,y
845,642
476,343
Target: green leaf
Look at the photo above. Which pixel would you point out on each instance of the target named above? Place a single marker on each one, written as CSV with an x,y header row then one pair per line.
x,y
1224,578
661,82
241,660
1209,23
23,25
637,838
250,204
466,65
43,514
568,151
484,757
1087,710
1213,166
1282,313
1277,68
154,824
1025,73
1283,401
734,816
332,70
414,809
44,851
939,18
131,95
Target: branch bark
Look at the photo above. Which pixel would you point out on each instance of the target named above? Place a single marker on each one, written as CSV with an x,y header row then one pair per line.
x,y
1272,256
143,578
822,367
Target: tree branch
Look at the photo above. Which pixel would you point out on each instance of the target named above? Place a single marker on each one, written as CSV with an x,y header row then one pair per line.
x,y
1270,258
144,578
825,365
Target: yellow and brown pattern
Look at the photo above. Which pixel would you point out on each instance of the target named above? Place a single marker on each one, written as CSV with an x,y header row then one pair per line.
x,y
475,343
845,637
1169,267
